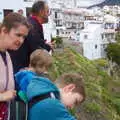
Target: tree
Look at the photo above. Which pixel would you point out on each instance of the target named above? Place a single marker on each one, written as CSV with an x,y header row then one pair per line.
x,y
113,52
117,37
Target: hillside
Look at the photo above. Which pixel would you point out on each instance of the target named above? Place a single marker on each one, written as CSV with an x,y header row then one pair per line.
x,y
103,101
107,2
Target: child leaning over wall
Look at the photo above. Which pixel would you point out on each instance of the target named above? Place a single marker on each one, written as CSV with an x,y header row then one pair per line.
x,y
45,100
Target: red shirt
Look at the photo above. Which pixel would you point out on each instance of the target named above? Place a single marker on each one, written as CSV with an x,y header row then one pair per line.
x,y
40,25
3,110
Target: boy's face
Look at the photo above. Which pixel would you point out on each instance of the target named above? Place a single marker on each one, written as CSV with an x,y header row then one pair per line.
x,y
69,98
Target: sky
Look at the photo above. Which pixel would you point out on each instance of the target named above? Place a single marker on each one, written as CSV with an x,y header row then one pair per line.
x,y
88,2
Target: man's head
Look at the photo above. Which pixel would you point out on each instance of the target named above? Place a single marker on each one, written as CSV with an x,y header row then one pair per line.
x,y
40,9
40,61
72,88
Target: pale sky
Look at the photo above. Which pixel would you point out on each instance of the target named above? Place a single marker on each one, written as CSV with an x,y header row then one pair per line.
x,y
88,2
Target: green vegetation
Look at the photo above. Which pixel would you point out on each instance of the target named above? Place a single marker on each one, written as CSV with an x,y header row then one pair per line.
x,y
103,99
58,41
101,63
113,49
117,37
113,52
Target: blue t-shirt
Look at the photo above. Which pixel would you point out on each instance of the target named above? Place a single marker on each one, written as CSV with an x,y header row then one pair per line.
x,y
23,78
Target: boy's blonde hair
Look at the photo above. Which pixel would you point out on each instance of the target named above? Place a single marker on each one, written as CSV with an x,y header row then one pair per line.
x,y
72,78
40,59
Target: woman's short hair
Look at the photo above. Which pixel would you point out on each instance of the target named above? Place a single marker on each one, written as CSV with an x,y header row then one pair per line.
x,y
13,20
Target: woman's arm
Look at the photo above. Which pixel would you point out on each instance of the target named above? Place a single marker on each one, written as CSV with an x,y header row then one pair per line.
x,y
7,95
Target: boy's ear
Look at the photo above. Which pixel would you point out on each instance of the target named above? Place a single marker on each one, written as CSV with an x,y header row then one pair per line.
x,y
69,88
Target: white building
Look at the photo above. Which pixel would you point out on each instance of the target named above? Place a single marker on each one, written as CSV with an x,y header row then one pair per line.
x,y
91,39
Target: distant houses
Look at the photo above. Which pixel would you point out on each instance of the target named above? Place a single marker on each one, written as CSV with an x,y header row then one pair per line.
x,y
94,39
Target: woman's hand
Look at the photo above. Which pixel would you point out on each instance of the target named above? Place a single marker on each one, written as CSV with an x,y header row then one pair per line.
x,y
7,95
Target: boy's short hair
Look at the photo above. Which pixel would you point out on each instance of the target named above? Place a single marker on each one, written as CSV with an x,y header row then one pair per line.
x,y
74,78
40,58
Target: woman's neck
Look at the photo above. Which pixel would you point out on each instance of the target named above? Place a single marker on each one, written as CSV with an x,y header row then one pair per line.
x,y
2,44
2,49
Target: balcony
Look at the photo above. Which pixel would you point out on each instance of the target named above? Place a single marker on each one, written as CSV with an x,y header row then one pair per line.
x,y
109,31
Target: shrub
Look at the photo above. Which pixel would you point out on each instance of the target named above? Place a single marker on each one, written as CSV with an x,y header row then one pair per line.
x,y
58,41
93,107
113,52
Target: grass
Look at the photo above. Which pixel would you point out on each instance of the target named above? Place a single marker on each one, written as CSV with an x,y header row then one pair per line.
x,y
101,102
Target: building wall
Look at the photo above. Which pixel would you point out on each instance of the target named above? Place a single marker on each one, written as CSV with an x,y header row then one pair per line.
x,y
91,40
10,5
14,5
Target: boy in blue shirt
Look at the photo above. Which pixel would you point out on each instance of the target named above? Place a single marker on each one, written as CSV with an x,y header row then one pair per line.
x,y
45,100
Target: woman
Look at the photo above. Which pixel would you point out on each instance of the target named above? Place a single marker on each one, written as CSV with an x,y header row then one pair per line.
x,y
13,30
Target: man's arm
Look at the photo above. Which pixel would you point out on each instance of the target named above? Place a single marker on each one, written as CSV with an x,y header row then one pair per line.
x,y
35,41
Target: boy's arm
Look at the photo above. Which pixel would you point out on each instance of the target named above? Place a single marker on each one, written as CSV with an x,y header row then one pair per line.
x,y
23,96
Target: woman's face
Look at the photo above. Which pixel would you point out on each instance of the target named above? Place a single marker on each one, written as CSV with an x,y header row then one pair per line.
x,y
15,37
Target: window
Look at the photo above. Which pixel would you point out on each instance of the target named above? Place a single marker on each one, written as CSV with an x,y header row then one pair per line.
x,y
85,36
7,11
56,15
28,11
102,36
57,32
95,46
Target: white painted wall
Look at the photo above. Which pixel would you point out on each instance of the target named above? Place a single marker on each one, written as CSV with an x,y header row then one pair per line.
x,y
14,5
92,43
